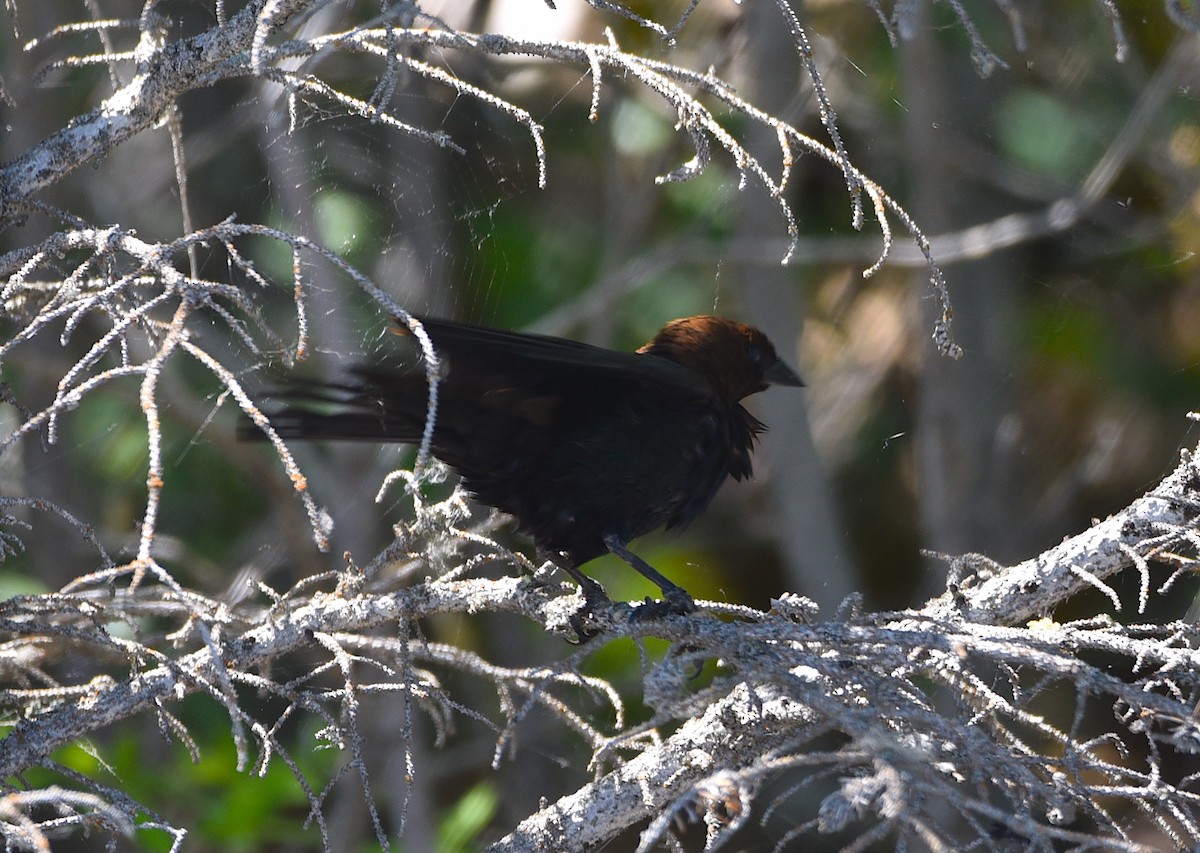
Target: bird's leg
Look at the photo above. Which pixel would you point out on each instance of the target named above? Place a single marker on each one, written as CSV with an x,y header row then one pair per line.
x,y
582,621
593,592
677,598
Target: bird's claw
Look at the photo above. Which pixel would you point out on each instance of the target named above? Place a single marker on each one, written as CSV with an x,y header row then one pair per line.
x,y
583,621
675,602
583,630
680,601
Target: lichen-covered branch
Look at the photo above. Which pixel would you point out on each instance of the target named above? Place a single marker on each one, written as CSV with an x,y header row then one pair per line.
x,y
976,721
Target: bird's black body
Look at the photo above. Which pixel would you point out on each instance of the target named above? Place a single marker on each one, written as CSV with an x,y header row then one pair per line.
x,y
587,448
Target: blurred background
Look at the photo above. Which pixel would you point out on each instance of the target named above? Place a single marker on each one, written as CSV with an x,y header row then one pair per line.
x,y
1061,193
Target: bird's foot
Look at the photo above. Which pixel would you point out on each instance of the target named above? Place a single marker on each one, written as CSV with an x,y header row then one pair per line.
x,y
586,622
675,602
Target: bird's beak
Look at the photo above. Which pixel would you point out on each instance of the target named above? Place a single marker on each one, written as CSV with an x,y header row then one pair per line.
x,y
780,374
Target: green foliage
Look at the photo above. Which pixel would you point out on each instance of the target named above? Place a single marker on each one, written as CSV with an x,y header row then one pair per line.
x,y
1047,135
227,810
463,823
345,222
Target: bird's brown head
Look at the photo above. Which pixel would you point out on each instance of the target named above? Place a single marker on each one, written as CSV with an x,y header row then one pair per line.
x,y
736,358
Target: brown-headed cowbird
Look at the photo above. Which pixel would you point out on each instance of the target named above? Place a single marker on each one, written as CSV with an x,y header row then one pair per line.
x,y
586,447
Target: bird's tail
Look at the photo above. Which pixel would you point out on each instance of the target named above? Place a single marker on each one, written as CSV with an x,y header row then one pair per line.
x,y
343,412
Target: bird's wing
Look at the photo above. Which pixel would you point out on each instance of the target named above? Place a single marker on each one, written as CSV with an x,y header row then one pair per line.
x,y
495,386
489,353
